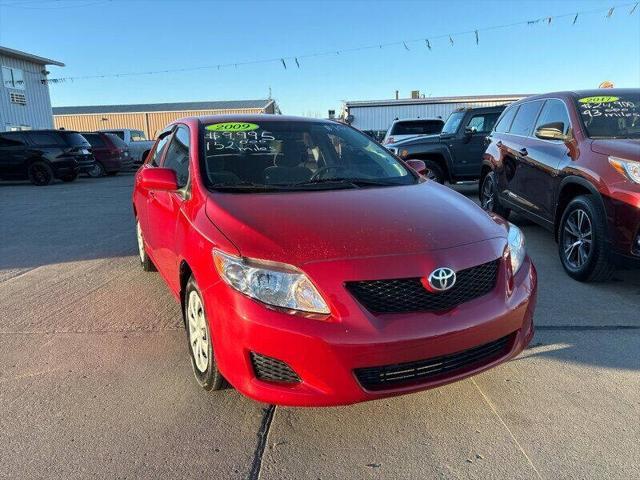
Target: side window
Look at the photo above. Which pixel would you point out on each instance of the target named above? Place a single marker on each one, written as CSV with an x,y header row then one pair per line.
x,y
554,114
159,149
137,136
483,122
44,138
11,140
506,119
525,118
177,158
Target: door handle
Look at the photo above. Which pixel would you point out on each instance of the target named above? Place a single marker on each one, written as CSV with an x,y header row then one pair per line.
x,y
523,152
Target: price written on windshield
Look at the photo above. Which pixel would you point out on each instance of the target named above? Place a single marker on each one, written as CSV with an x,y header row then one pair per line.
x,y
619,108
250,141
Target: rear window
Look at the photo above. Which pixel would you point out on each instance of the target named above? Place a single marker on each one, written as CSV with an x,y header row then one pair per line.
x,y
74,139
94,139
415,127
118,133
116,140
526,118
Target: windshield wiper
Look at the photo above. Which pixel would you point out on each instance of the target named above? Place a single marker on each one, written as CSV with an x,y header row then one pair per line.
x,y
245,187
356,182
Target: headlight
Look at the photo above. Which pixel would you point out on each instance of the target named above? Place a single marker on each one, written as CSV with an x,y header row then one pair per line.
x,y
628,168
517,248
272,283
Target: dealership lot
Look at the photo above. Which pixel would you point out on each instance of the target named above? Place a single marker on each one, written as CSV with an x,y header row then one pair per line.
x,y
95,378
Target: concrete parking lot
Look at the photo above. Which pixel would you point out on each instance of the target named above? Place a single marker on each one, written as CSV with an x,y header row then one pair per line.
x,y
95,379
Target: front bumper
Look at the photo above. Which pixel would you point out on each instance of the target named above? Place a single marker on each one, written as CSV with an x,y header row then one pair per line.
x,y
623,216
326,353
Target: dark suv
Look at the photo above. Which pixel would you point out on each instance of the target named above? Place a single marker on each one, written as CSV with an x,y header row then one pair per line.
x,y
110,152
42,155
570,161
455,154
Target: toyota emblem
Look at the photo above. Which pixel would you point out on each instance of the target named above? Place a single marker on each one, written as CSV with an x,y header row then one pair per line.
x,y
442,279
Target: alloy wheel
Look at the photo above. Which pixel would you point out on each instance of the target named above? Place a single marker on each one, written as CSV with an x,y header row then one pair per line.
x,y
577,238
198,338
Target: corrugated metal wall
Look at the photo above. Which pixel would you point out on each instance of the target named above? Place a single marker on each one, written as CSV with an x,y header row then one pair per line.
x,y
380,117
151,123
37,112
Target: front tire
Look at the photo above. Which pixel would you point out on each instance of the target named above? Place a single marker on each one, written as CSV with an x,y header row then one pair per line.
x,y
40,174
203,361
145,261
582,244
489,199
434,171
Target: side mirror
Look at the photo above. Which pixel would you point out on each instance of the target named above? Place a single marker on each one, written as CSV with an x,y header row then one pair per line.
x,y
155,178
417,165
551,131
470,130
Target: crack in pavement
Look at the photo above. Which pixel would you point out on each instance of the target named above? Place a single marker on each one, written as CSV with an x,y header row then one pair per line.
x,y
511,434
263,433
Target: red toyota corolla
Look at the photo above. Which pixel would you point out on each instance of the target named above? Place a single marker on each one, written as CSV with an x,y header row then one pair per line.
x,y
315,268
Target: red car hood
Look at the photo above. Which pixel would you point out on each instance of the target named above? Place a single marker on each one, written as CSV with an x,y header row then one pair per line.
x,y
625,148
301,227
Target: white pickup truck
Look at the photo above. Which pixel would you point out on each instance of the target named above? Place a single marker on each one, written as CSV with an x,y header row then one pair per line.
x,y
137,142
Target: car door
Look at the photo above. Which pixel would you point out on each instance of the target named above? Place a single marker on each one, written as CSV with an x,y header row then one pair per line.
x,y
164,207
544,160
13,155
514,149
469,144
141,196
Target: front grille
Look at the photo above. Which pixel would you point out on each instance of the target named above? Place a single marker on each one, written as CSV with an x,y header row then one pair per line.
x,y
409,295
399,374
272,369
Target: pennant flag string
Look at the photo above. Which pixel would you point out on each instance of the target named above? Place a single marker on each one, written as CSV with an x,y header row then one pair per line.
x,y
404,43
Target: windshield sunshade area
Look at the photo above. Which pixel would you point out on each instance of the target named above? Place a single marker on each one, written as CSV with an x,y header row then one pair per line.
x,y
611,116
281,155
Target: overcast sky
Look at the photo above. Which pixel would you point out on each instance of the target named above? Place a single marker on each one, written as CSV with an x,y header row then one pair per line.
x,y
115,36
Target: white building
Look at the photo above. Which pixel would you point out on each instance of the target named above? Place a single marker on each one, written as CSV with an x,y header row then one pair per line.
x,y
24,93
377,115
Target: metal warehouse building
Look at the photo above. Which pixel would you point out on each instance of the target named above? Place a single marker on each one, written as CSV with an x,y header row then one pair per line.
x,y
377,115
24,93
151,118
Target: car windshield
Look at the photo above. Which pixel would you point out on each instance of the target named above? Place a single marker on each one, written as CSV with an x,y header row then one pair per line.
x,y
610,116
295,155
453,122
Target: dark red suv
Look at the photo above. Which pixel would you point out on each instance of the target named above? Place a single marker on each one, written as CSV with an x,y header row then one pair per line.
x,y
111,153
570,161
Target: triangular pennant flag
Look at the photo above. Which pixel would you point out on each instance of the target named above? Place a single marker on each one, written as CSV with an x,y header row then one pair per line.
x,y
610,12
549,20
283,64
477,38
575,19
450,40
405,45
426,40
634,8
297,63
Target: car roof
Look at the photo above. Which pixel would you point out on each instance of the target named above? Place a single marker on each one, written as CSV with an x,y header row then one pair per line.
x,y
593,92
251,118
419,119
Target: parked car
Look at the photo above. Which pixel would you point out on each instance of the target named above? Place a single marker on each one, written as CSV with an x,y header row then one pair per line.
x,y
136,142
111,154
412,127
40,156
455,154
313,268
570,161
377,135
